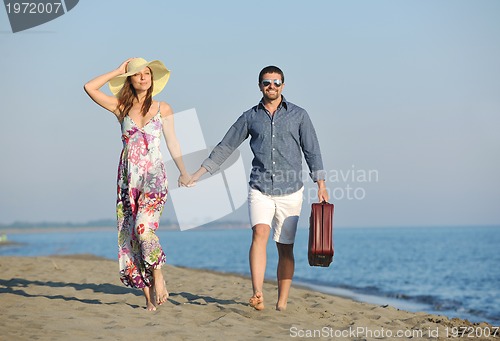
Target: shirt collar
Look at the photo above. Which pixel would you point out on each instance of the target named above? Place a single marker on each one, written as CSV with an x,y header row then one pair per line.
x,y
284,103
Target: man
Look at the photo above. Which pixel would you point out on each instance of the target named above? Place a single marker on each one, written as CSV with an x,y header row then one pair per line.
x,y
280,132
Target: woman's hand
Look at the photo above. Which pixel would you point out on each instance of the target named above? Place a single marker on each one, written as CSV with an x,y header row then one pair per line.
x,y
123,66
184,180
93,88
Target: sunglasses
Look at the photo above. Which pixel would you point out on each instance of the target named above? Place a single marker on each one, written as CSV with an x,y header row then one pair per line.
x,y
267,82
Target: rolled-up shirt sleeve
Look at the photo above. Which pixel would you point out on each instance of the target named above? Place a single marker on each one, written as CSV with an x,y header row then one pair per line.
x,y
233,138
310,147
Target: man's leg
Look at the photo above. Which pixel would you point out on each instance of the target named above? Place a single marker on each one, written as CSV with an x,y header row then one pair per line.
x,y
257,257
286,267
288,209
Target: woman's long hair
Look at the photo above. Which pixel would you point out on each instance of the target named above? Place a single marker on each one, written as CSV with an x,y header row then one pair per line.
x,y
128,94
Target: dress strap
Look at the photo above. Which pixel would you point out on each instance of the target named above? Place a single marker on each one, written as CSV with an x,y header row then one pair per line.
x,y
158,106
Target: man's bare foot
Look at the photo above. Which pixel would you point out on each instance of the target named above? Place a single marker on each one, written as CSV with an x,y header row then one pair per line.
x,y
161,292
257,301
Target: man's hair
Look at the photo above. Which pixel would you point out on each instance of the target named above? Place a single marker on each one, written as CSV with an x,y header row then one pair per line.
x,y
271,69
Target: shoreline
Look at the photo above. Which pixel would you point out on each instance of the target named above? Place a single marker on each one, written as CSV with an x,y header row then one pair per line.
x,y
408,304
26,230
80,296
432,305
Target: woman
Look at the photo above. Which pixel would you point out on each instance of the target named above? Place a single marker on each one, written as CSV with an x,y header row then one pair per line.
x,y
142,181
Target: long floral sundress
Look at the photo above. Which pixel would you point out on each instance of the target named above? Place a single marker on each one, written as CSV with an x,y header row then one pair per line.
x,y
142,192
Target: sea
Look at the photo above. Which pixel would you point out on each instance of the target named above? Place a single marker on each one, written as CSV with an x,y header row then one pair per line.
x,y
449,271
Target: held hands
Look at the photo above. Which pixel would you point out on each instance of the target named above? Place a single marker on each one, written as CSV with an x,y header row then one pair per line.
x,y
196,176
184,180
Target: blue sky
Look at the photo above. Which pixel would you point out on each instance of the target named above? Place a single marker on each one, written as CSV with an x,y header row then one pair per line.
x,y
408,89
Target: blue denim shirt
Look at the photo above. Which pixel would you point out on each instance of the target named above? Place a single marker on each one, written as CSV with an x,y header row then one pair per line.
x,y
277,142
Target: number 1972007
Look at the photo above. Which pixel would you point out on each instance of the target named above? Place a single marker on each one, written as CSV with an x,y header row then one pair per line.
x,y
33,7
472,332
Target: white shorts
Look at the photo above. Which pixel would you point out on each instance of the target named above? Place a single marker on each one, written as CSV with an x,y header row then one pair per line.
x,y
280,212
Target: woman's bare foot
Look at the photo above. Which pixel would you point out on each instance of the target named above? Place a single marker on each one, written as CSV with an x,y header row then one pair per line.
x,y
280,307
161,293
149,293
160,287
281,304
257,301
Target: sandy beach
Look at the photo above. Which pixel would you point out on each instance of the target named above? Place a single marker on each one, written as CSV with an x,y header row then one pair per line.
x,y
81,298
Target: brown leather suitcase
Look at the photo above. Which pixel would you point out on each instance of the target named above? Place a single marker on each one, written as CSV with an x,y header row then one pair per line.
x,y
320,250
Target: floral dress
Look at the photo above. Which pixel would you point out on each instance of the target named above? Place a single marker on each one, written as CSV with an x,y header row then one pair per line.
x,y
142,192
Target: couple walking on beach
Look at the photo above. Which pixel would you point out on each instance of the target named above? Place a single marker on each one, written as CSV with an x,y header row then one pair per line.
x,y
281,133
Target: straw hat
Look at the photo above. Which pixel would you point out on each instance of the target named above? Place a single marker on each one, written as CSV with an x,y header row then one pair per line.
x,y
160,75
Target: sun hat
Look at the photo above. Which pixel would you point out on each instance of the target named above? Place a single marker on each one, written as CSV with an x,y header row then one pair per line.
x,y
160,75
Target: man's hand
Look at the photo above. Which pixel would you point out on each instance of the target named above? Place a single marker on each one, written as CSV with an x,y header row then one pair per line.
x,y
322,191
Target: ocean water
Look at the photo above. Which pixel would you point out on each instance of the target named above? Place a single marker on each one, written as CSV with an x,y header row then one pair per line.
x,y
450,271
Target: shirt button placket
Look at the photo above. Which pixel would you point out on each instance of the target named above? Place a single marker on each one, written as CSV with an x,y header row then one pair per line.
x,y
272,154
